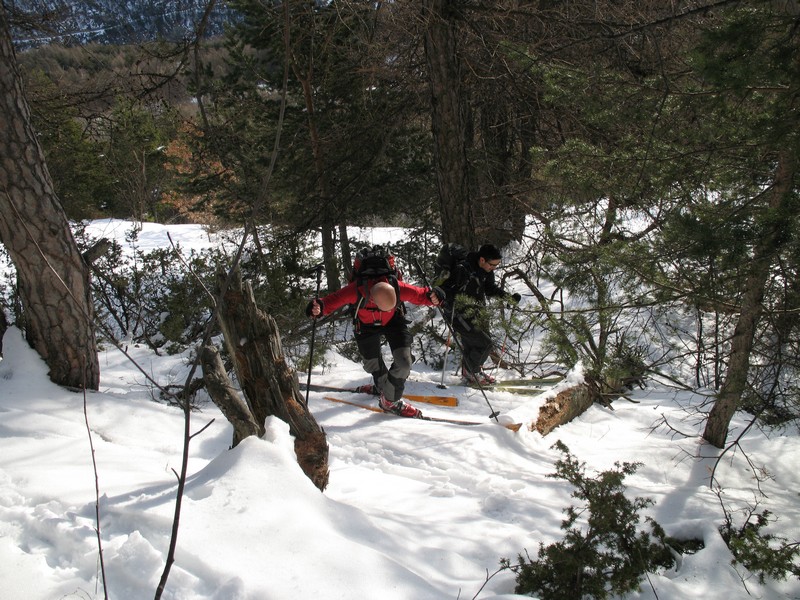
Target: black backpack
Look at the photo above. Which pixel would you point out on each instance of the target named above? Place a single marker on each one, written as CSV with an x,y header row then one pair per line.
x,y
374,262
370,264
449,257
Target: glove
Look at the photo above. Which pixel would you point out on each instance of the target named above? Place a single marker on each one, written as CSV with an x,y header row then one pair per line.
x,y
515,298
310,308
439,293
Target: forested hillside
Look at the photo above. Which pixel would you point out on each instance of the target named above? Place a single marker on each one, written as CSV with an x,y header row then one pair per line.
x,y
653,149
638,160
79,22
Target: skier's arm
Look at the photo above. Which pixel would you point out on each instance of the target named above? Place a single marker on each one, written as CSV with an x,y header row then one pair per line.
x,y
419,295
492,289
334,300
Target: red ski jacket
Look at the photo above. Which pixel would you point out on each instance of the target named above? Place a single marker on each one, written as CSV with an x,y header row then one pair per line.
x,y
368,313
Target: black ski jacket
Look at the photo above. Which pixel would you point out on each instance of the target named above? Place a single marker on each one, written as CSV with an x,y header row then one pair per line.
x,y
471,280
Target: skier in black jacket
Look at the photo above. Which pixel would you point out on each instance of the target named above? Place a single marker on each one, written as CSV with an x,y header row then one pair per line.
x,y
471,282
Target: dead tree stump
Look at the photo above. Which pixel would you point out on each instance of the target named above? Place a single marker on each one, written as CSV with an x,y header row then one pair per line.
x,y
269,385
224,395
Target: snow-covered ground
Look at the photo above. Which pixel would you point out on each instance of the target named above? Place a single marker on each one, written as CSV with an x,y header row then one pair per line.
x,y
414,509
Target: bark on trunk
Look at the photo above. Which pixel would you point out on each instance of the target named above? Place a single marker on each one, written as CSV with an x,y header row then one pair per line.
x,y
224,396
328,235
269,385
735,383
53,277
329,258
344,248
448,121
3,329
573,402
562,408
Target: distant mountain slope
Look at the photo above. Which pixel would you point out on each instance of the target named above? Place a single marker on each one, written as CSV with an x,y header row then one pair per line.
x,y
71,22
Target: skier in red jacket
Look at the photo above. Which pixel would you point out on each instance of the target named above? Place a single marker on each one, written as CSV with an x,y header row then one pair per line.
x,y
380,314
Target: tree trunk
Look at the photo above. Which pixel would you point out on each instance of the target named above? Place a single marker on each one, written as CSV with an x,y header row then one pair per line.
x,y
269,385
3,328
329,258
328,233
53,277
449,124
344,248
497,210
735,383
562,408
224,396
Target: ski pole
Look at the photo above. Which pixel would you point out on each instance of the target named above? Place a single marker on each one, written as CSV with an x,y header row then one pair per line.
x,y
441,385
318,271
494,413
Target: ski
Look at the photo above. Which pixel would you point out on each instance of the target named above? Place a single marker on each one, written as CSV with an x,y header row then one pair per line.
x,y
375,409
516,386
503,386
532,381
523,391
424,398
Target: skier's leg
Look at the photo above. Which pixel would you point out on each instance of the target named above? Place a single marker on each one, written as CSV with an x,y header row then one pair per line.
x,y
369,346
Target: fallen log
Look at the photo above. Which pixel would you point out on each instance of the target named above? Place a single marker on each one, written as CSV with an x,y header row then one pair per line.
x,y
563,408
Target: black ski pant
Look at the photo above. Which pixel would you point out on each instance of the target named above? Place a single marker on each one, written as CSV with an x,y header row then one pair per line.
x,y
391,381
476,344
